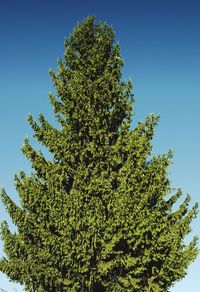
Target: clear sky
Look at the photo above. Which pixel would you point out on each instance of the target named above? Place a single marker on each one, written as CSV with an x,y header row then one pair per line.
x,y
160,45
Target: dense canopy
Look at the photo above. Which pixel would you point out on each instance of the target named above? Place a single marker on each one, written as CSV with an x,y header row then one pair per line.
x,y
100,215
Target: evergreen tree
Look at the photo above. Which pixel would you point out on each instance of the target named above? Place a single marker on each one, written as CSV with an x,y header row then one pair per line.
x,y
100,215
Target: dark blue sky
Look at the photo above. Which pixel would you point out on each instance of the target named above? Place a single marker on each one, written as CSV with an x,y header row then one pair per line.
x,y
160,45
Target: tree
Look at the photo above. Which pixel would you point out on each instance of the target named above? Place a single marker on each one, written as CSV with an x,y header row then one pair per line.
x,y
100,215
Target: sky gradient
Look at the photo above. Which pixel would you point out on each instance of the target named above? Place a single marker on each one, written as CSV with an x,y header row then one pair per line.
x,y
160,45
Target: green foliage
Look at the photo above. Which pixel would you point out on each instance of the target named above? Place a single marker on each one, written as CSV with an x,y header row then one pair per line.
x,y
96,217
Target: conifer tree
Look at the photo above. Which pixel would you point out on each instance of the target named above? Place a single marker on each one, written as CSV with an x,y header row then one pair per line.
x,y
100,215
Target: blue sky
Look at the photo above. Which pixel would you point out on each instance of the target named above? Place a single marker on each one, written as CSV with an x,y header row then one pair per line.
x,y
160,45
